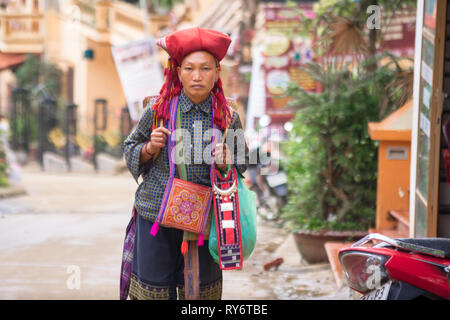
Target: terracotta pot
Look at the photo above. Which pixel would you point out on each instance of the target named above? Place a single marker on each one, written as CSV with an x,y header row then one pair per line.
x,y
311,244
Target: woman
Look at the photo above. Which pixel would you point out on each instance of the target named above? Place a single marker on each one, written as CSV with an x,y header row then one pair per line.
x,y
153,267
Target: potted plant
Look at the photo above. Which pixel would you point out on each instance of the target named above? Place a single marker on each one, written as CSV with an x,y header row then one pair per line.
x,y
331,160
4,166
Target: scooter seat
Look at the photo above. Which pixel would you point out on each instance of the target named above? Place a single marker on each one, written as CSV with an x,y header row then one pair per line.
x,y
442,244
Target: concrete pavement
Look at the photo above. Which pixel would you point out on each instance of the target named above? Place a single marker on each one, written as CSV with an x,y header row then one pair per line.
x,y
68,227
63,240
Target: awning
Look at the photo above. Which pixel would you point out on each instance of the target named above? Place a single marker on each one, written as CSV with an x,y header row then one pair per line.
x,y
8,60
224,16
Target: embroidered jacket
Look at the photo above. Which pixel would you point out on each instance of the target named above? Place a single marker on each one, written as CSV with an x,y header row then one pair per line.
x,y
196,122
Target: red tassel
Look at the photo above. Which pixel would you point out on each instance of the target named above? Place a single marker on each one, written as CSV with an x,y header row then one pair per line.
x,y
184,247
222,113
169,89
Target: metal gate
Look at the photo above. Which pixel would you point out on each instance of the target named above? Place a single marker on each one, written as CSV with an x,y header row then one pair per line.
x,y
21,120
52,127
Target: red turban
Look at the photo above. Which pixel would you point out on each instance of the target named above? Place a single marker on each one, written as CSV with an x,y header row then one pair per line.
x,y
178,45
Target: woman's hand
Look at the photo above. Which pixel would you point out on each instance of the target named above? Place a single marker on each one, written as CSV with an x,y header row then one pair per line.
x,y
157,140
222,156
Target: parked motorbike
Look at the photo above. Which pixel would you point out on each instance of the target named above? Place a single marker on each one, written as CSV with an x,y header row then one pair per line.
x,y
398,269
269,182
273,199
274,196
278,185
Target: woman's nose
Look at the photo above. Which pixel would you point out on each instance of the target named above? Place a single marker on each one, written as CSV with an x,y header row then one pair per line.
x,y
196,75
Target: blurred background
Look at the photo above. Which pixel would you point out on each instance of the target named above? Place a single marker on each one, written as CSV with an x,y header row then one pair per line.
x,y
74,74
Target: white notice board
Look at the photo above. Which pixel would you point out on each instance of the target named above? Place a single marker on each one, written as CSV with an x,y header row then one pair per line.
x,y
139,72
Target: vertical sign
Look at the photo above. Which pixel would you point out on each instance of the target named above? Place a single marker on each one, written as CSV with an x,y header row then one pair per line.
x,y
139,72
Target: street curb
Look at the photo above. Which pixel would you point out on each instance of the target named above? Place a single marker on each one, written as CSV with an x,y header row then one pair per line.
x,y
13,191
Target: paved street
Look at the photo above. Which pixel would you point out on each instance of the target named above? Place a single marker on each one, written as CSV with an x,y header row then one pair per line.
x,y
63,240
65,220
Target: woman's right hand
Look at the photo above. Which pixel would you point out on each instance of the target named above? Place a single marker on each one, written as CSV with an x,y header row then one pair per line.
x,y
158,140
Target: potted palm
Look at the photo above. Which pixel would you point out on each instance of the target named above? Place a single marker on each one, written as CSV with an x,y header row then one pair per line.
x,y
331,160
331,163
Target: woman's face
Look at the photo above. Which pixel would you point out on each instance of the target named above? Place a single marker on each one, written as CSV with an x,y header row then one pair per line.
x,y
198,73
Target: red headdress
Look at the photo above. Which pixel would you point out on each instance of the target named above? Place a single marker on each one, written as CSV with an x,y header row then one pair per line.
x,y
178,45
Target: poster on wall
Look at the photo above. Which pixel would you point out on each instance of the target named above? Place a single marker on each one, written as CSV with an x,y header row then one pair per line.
x,y
285,51
139,72
430,16
399,33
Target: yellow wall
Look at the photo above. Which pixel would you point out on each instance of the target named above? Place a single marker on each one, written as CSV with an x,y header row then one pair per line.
x,y
97,78
6,79
103,82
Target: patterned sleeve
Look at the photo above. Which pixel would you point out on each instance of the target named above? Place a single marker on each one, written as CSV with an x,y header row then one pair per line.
x,y
134,143
236,141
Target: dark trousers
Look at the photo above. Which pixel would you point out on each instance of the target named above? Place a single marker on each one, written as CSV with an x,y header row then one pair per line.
x,y
158,265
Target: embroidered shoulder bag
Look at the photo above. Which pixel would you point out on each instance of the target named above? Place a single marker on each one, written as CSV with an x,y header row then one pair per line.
x,y
185,205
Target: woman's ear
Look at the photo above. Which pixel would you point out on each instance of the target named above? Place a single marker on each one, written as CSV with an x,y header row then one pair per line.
x,y
217,74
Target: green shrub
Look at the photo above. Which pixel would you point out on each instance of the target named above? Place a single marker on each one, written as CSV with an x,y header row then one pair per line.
x,y
331,160
4,166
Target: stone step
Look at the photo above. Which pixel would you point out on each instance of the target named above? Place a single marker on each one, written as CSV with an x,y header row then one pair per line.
x,y
53,162
78,164
332,248
105,163
402,218
108,164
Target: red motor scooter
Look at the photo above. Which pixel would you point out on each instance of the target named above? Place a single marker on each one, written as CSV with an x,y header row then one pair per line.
x,y
398,269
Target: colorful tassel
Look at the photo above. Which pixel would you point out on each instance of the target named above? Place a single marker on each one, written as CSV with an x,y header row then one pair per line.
x,y
184,247
200,240
222,113
154,229
170,88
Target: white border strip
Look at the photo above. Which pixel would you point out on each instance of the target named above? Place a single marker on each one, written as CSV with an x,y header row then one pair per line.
x,y
415,119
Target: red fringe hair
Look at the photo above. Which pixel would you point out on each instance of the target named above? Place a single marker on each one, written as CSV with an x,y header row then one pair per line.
x,y
172,87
